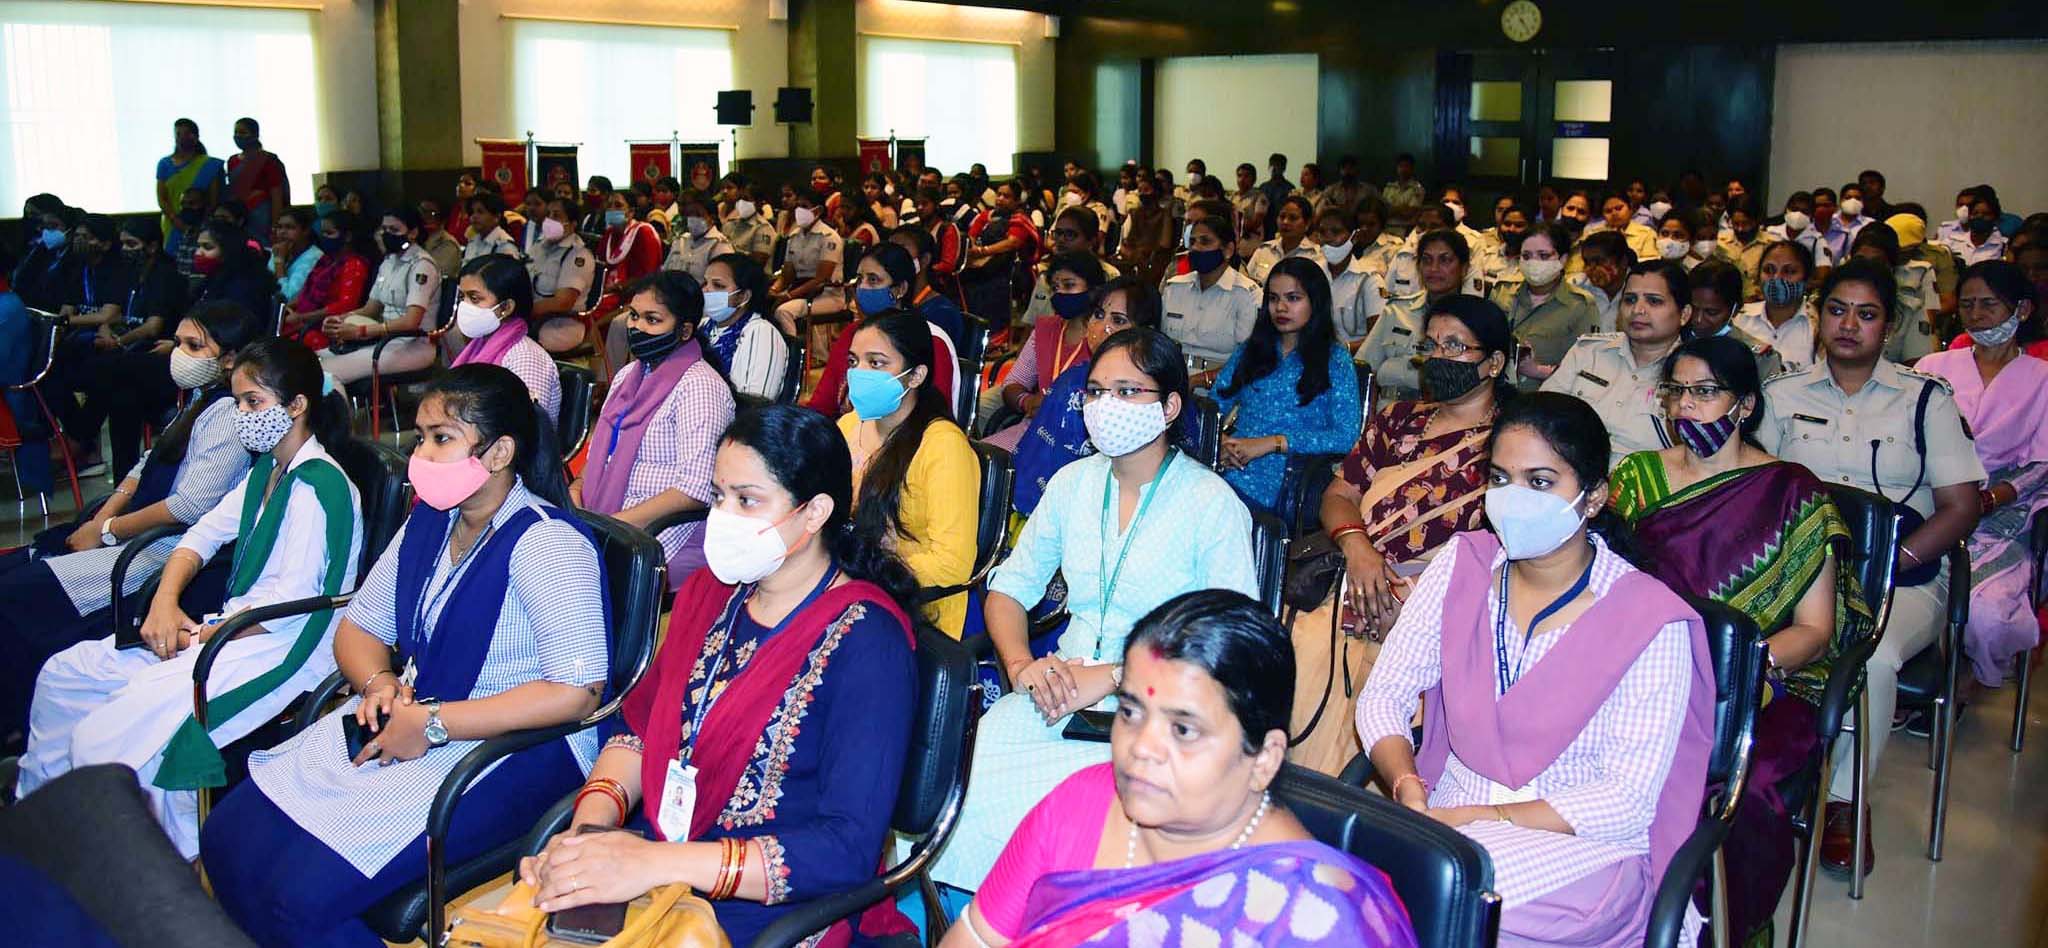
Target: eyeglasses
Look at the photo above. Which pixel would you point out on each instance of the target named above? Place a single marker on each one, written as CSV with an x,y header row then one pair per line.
x,y
1703,392
1127,393
1450,348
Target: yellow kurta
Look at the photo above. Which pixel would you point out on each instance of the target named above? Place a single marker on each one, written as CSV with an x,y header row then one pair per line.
x,y
940,504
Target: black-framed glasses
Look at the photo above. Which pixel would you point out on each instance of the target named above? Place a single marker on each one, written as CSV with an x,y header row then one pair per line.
x,y
1127,393
1449,348
1703,392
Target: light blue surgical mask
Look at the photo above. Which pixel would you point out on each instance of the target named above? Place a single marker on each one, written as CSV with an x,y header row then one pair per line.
x,y
873,392
718,305
615,218
53,239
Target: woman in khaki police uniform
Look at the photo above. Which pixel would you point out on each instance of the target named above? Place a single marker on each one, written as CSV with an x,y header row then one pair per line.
x,y
1617,372
1546,312
1442,259
404,297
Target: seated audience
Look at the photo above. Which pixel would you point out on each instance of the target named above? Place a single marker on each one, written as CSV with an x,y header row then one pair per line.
x,y
445,249
1617,372
1716,296
997,239
1548,313
1414,480
231,269
1127,529
1442,262
651,447
1291,222
562,268
1856,396
403,298
1718,517
339,283
695,241
490,599
916,479
739,328
1999,308
293,253
486,226
1289,389
296,524
1058,434
1073,231
1211,309
1200,734
1785,319
882,282
812,256
1058,341
1913,335
797,619
1604,263
934,293
493,305
1357,291
1581,783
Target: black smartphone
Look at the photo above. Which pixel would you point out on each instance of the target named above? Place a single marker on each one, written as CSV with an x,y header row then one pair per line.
x,y
355,735
589,924
1088,725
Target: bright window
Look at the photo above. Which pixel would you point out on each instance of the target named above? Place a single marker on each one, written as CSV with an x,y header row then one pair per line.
x,y
92,89
602,85
960,97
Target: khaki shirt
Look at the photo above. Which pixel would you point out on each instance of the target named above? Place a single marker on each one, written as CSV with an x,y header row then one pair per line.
x,y
692,254
1768,361
1247,205
1749,258
405,280
1269,255
809,246
1389,349
1809,419
1549,328
1357,298
563,264
1912,329
755,236
1380,254
445,251
1210,323
497,241
1796,343
1600,370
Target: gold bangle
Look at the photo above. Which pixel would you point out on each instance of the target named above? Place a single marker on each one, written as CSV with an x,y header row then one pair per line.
x,y
1501,813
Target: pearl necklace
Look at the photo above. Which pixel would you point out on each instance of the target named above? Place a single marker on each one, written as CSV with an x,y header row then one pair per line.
x,y
1265,800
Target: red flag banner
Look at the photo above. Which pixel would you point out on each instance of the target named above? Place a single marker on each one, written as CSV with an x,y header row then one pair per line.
x,y
650,160
874,155
505,165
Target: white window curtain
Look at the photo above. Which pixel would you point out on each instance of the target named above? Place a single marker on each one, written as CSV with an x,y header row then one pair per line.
x,y
603,84
960,97
92,89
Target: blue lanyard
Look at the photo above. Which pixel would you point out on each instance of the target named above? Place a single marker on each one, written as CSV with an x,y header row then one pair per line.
x,y
1102,567
726,622
1500,625
91,298
426,606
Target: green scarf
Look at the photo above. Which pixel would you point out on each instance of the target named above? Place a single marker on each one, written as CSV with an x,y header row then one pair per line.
x,y
191,761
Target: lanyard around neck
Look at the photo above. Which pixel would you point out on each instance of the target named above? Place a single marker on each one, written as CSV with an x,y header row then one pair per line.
x,y
1500,624
727,621
1102,553
426,606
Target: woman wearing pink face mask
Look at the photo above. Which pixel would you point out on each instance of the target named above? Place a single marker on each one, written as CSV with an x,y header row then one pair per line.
x,y
486,614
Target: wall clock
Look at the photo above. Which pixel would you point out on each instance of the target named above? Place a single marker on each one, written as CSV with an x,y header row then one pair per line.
x,y
1521,20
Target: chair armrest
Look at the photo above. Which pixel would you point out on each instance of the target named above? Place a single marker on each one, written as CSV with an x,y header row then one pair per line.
x,y
659,524
933,594
1358,772
555,820
1843,679
377,351
240,622
1681,876
129,551
804,919
309,710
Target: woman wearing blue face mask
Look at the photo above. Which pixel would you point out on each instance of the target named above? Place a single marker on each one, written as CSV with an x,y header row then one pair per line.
x,y
739,327
1057,343
40,279
882,281
915,477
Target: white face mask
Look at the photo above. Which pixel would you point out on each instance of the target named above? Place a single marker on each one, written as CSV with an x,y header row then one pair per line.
x,y
1337,253
475,321
1796,221
742,210
1071,199
551,230
1702,249
1659,208
192,372
1457,212
1670,248
1117,427
742,549
697,226
1542,272
1194,178
1530,522
1962,212
1852,207
805,216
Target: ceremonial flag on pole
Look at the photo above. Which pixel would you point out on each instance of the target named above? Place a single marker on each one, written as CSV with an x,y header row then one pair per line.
x,y
557,163
504,164
874,155
700,164
907,151
650,160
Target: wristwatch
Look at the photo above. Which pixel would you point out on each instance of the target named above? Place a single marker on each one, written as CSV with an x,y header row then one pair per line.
x,y
107,537
437,733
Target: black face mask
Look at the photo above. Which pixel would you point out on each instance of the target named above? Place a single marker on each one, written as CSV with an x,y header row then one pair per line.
x,y
650,348
1981,226
1446,380
394,243
192,217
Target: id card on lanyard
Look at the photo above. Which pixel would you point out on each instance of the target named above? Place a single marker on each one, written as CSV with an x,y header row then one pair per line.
x,y
679,785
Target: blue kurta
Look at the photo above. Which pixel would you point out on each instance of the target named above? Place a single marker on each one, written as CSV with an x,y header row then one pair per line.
x,y
1267,406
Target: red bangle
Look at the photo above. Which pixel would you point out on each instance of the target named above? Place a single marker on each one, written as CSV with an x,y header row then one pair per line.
x,y
610,788
1346,530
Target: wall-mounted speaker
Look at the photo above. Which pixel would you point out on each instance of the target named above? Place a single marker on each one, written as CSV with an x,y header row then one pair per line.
x,y
793,106
736,107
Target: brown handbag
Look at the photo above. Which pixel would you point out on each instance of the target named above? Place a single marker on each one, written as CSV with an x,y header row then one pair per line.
x,y
668,917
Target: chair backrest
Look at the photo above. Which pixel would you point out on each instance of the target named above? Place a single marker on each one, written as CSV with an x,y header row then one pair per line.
x,y
934,765
1873,554
1208,430
378,470
998,478
43,343
598,271
1367,394
444,308
792,369
1269,557
974,340
1737,651
942,351
633,575
967,402
1443,877
579,389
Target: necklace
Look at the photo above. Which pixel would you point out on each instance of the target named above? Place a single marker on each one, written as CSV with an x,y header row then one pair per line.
x,y
1265,800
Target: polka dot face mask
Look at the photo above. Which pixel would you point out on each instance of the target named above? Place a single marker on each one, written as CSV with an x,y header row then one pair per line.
x,y
1118,427
261,430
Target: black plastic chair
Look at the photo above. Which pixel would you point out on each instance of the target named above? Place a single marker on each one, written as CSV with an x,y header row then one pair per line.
x,y
1872,557
633,571
1930,681
1443,877
792,369
992,526
381,385
579,394
49,330
2037,548
1269,557
1208,431
1737,651
1301,490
